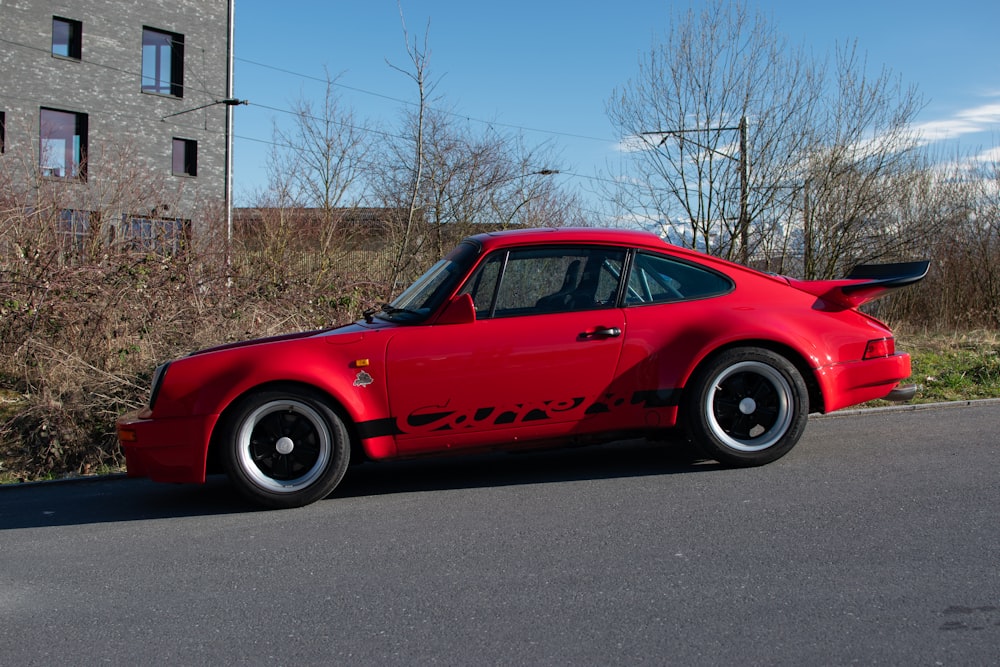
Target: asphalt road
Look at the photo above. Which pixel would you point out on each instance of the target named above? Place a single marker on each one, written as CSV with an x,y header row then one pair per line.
x,y
875,541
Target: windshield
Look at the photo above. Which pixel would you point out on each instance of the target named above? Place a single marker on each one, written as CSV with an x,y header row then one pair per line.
x,y
423,297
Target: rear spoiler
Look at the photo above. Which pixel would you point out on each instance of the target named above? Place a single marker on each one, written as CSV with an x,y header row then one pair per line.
x,y
865,282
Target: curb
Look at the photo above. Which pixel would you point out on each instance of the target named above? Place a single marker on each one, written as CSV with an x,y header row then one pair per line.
x,y
907,407
78,479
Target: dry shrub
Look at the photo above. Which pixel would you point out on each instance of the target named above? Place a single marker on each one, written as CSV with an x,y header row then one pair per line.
x,y
81,333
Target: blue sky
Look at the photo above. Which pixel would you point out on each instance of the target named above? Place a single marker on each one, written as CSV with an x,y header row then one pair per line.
x,y
550,67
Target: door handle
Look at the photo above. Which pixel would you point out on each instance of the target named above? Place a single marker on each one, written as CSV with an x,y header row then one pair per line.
x,y
601,332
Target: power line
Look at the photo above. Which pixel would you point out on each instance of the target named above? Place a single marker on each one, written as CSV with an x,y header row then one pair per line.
x,y
397,100
118,113
112,68
191,89
298,114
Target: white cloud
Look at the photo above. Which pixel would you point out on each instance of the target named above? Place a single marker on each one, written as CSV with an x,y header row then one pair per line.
x,y
988,156
940,130
983,118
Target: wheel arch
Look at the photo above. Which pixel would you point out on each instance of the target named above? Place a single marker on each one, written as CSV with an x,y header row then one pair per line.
x,y
214,460
796,358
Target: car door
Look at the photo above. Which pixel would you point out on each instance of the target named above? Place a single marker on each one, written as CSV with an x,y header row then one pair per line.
x,y
542,351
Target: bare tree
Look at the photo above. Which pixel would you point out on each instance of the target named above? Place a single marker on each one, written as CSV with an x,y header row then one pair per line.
x,y
975,251
324,154
317,179
714,122
419,59
447,180
862,168
471,180
741,145
487,180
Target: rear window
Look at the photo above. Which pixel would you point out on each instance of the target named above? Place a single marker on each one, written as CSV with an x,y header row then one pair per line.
x,y
662,279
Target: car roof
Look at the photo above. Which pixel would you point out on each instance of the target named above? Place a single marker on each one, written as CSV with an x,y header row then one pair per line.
x,y
627,238
565,235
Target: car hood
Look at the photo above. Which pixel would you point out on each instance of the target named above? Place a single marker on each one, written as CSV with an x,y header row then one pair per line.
x,y
342,334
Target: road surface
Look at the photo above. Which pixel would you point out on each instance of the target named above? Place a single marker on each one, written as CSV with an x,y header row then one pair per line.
x,y
876,540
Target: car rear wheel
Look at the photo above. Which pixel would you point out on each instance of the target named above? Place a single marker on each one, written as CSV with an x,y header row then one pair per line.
x,y
285,448
747,407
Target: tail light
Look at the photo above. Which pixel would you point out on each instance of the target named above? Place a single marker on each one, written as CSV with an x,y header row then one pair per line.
x,y
880,348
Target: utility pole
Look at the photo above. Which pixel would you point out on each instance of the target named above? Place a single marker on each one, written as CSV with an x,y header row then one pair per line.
x,y
807,242
230,53
743,224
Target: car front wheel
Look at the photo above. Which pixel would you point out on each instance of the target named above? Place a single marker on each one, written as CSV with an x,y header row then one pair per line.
x,y
747,407
285,448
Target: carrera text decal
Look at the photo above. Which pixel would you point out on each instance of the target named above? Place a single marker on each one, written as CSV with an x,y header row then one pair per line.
x,y
440,418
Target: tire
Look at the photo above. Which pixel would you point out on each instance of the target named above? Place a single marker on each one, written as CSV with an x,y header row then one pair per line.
x,y
746,407
285,447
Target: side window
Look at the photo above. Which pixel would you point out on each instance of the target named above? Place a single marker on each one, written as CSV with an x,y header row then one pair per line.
x,y
185,157
661,279
535,281
62,144
67,38
162,62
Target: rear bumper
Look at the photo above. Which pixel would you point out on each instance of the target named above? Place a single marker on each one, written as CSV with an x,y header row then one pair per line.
x,y
855,382
166,450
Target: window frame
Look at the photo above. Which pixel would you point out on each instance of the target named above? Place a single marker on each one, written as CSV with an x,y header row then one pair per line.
x,y
164,75
74,38
78,139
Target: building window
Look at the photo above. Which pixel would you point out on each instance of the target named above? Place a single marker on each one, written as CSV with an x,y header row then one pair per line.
x,y
62,144
185,162
162,62
74,229
163,236
67,38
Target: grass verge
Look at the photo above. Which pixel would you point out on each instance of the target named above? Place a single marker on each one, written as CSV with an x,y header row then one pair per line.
x,y
955,366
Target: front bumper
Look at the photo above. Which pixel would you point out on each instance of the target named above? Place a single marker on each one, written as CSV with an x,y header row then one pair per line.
x,y
166,449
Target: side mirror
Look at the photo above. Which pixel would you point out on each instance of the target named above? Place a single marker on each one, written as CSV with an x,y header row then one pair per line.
x,y
460,311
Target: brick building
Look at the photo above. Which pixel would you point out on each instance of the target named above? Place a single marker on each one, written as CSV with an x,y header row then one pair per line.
x,y
119,112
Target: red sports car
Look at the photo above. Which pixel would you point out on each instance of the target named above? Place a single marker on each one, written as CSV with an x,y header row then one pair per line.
x,y
521,338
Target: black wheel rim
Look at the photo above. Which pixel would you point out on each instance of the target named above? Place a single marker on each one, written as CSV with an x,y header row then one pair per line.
x,y
284,446
749,406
